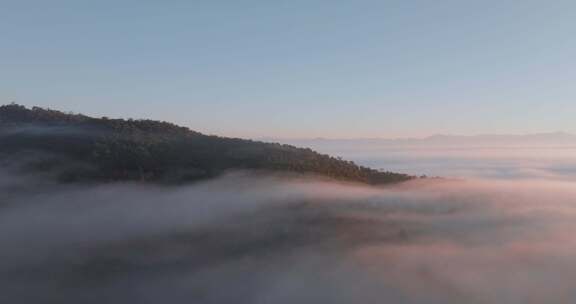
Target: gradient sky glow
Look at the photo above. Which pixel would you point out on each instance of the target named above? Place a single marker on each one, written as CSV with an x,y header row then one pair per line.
x,y
299,68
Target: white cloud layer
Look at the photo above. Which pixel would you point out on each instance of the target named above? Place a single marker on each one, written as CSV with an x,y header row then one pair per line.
x,y
244,239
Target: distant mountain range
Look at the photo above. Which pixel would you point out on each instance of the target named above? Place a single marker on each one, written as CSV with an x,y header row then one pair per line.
x,y
75,147
537,139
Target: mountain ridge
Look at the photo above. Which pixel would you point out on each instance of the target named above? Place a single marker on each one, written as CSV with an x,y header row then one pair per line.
x,y
430,137
105,149
482,140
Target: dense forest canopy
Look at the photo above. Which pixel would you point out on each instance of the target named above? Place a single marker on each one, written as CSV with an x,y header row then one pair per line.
x,y
76,147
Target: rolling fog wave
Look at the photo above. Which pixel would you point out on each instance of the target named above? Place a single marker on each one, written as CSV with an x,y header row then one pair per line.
x,y
246,239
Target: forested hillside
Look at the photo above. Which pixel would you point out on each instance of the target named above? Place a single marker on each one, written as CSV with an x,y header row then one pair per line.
x,y
75,147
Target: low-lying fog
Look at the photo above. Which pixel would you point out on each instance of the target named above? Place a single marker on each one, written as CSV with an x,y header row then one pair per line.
x,y
246,239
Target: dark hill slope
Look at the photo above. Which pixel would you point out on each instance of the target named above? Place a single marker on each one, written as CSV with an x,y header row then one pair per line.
x,y
82,148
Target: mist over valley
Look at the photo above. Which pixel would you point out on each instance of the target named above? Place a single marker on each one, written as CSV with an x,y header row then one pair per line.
x,y
77,228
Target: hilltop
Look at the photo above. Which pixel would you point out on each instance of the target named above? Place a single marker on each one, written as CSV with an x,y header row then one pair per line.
x,y
75,147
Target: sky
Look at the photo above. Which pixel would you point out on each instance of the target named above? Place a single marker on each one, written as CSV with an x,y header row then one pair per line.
x,y
313,68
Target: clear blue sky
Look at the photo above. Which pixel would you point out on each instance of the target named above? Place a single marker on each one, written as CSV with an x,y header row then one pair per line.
x,y
299,68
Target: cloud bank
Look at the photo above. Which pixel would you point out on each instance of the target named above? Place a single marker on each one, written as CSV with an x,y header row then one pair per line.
x,y
247,239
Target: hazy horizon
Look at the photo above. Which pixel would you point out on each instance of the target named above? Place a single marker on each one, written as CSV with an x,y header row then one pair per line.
x,y
423,137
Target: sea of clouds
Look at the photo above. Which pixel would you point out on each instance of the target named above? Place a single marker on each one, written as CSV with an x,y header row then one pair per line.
x,y
550,156
272,239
